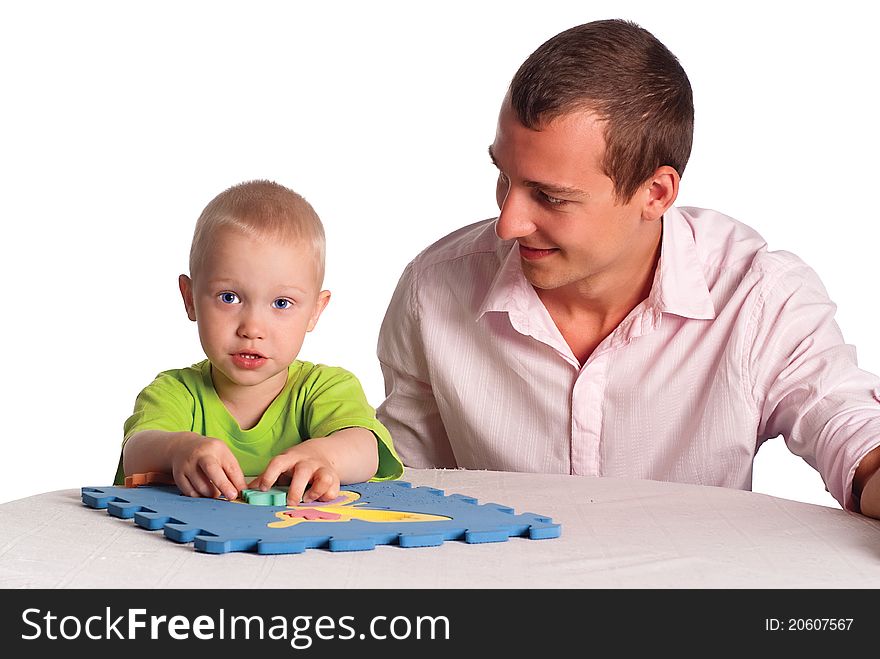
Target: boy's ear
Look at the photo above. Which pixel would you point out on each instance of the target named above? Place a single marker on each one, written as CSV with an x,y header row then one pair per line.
x,y
323,299
186,291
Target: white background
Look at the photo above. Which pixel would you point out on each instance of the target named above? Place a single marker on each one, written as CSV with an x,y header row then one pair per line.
x,y
119,121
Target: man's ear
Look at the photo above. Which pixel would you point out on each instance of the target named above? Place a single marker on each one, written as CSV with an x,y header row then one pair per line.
x,y
661,192
320,305
186,291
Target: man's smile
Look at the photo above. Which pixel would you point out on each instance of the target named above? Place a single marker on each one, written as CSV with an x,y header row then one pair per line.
x,y
534,253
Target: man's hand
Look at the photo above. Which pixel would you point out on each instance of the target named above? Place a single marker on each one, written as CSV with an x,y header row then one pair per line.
x,y
866,484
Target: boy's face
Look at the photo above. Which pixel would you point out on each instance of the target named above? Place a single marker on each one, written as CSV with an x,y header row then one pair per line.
x,y
254,300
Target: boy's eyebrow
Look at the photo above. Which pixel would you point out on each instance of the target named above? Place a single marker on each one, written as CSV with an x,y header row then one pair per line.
x,y
232,284
297,289
219,282
546,187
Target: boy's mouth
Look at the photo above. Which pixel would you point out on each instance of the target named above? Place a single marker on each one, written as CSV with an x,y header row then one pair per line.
x,y
248,359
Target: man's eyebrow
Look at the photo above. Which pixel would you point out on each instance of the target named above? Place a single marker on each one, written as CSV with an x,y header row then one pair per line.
x,y
546,187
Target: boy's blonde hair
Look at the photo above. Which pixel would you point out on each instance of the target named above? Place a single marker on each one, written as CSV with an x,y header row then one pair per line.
x,y
260,209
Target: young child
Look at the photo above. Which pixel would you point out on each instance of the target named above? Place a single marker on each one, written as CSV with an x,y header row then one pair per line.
x,y
251,409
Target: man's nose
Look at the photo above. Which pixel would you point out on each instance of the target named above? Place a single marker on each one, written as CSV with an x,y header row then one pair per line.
x,y
514,221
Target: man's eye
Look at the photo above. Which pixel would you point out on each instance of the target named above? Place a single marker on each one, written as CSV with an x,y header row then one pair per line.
x,y
282,303
228,298
553,201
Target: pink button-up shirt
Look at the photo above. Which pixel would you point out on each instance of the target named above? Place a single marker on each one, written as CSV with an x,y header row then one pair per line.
x,y
734,345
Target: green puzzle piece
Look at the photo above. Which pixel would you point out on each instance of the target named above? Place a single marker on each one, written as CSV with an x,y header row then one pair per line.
x,y
271,497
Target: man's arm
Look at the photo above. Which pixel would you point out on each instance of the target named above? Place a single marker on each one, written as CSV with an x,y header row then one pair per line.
x,y
410,410
809,387
866,484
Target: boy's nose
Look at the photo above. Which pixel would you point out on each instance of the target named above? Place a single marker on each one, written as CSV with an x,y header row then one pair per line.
x,y
250,327
247,332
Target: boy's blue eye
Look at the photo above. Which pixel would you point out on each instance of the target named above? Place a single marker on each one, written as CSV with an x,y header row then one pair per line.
x,y
228,298
282,303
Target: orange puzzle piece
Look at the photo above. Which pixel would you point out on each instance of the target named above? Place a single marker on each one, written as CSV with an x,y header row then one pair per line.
x,y
149,478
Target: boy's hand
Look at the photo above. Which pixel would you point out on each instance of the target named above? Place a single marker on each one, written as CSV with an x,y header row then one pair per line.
x,y
204,466
305,466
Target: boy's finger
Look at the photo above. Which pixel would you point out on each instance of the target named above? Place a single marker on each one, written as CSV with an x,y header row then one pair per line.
x,y
330,493
299,481
221,481
185,486
200,484
234,474
312,494
322,484
237,478
270,475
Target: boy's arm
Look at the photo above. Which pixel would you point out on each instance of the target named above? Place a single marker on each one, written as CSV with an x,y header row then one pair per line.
x,y
350,455
201,466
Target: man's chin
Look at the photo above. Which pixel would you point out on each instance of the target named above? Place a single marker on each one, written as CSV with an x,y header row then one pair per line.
x,y
543,279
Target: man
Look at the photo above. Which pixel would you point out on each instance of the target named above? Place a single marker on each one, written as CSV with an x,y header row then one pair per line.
x,y
594,328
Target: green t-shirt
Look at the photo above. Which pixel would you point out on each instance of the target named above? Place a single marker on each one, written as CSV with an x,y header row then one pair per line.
x,y
316,401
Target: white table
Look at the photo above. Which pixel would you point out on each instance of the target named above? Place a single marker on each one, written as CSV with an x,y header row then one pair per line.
x,y
615,534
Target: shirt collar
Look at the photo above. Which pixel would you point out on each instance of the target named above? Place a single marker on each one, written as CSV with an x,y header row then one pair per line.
x,y
679,286
509,288
680,283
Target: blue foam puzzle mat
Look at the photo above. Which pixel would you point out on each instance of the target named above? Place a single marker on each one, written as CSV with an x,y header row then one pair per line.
x,y
362,516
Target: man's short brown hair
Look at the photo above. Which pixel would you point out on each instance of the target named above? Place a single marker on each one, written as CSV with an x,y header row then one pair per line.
x,y
629,79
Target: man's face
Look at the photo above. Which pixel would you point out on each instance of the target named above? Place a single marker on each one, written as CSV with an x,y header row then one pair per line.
x,y
559,205
254,300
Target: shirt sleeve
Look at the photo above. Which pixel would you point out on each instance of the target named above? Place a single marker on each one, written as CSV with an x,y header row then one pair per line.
x,y
336,401
807,383
410,409
164,404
